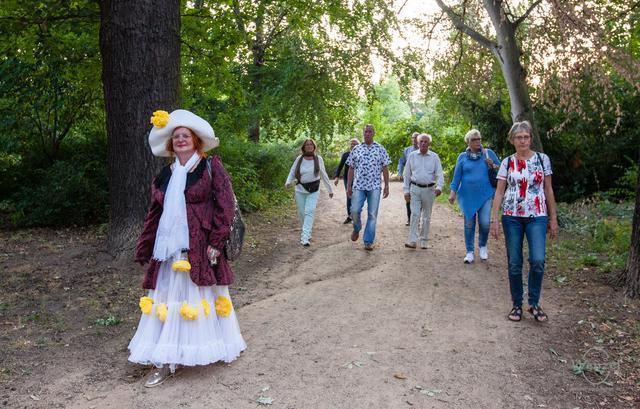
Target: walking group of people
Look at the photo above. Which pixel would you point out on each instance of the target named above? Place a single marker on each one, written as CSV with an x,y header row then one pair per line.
x,y
516,192
187,316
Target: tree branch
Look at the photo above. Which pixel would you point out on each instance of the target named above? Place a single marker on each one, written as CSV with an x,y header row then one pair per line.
x,y
461,26
239,22
274,30
523,17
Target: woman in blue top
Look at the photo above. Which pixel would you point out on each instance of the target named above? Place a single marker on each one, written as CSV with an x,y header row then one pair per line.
x,y
474,191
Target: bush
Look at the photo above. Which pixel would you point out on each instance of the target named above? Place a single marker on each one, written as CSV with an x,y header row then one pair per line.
x,y
258,172
64,194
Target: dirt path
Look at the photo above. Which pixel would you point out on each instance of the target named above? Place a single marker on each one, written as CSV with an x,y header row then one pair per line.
x,y
334,326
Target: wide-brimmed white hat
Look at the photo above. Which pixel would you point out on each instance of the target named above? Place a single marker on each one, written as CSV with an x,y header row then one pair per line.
x,y
164,124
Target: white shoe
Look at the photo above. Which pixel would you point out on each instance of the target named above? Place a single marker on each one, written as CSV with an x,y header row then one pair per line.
x,y
484,253
468,259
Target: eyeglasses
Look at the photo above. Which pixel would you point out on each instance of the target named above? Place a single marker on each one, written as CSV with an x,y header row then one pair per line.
x,y
181,135
522,137
475,139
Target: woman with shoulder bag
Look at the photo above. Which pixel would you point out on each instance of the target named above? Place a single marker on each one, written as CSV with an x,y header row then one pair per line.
x,y
472,185
528,206
187,316
305,173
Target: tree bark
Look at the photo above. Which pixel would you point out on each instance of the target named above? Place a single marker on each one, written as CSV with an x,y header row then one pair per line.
x,y
506,51
255,74
630,277
140,47
508,54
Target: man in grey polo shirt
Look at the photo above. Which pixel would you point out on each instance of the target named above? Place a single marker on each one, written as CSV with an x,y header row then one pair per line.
x,y
423,180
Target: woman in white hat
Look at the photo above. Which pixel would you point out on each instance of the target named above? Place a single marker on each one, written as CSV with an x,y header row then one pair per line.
x,y
187,315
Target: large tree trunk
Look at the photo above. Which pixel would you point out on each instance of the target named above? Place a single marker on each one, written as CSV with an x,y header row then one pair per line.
x,y
140,47
508,55
630,277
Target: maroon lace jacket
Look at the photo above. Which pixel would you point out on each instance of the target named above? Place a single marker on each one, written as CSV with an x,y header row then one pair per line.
x,y
210,211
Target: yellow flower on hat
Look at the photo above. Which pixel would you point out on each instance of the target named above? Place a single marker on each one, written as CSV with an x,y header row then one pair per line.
x,y
161,312
188,312
160,119
181,265
223,306
146,305
206,307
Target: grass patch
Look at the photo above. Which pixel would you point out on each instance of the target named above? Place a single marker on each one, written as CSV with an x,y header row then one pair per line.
x,y
595,235
110,321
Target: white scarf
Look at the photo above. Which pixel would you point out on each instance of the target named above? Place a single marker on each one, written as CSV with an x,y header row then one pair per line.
x,y
173,231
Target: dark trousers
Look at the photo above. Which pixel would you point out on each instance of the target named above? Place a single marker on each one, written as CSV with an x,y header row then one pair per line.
x,y
348,198
408,211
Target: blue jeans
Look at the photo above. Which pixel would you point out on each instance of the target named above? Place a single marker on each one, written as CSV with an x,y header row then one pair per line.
x,y
535,228
306,209
373,202
348,199
484,220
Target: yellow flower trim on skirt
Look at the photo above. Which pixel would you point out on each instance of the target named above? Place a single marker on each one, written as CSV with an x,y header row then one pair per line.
x,y
146,305
161,312
188,312
223,306
160,119
206,307
181,265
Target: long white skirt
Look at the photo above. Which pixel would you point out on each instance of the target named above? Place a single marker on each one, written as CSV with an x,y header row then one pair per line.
x,y
195,336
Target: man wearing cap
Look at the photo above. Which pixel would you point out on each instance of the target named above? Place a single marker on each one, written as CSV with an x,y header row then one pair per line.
x,y
366,162
402,162
423,180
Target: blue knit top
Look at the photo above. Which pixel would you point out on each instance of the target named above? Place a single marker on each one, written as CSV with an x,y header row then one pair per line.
x,y
471,181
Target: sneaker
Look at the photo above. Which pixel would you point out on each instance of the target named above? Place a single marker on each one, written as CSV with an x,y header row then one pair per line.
x,y
368,246
307,244
423,245
408,223
468,259
347,220
484,253
355,235
410,245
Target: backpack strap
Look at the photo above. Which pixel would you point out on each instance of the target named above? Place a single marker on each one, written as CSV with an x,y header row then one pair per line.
x,y
208,160
541,162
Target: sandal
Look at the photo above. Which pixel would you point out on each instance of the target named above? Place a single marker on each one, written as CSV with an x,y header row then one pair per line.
x,y
538,313
515,314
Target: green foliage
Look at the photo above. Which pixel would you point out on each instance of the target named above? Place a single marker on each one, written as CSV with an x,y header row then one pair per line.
x,y
295,68
258,172
110,321
596,234
64,194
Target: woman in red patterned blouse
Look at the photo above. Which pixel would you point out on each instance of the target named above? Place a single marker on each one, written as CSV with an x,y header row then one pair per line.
x,y
525,194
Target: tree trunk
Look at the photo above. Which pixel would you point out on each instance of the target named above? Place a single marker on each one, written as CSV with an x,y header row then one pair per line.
x,y
140,47
255,79
508,55
630,277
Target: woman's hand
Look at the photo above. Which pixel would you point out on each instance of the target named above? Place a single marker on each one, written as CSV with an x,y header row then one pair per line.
x,y
452,197
494,229
407,197
335,181
552,227
331,195
489,162
212,255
